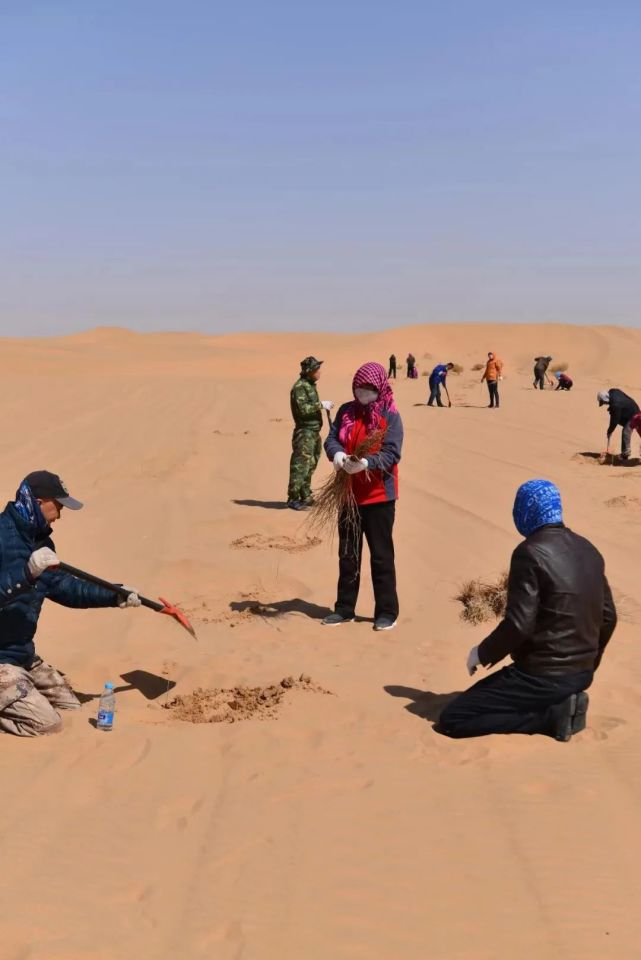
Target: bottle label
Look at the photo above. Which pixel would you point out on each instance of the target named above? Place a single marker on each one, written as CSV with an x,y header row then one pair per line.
x,y
105,718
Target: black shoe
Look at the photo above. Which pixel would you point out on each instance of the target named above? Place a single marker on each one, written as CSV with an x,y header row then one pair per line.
x,y
569,717
335,620
384,623
297,505
579,719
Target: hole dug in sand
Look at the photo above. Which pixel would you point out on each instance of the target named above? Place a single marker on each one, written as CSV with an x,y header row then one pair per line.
x,y
483,601
238,703
633,504
256,541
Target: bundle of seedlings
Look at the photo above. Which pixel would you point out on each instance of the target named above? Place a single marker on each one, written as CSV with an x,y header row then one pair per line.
x,y
483,601
559,367
335,500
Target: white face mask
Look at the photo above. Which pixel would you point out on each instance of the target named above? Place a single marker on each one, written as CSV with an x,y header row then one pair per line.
x,y
365,396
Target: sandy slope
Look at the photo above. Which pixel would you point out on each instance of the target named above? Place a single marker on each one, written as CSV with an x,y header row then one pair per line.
x,y
346,828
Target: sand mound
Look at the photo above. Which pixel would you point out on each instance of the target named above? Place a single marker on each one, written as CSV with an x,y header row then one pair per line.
x,y
257,541
483,601
624,502
237,703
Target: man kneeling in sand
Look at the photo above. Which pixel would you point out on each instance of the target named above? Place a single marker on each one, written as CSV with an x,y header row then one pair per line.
x,y
31,691
560,615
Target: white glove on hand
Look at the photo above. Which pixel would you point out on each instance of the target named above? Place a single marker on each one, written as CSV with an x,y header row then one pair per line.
x,y
339,460
327,404
40,560
355,466
133,600
473,660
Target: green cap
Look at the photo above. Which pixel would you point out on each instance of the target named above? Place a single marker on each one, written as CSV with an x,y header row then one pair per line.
x,y
310,365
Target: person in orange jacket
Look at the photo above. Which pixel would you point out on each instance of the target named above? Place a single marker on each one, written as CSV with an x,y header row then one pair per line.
x,y
493,373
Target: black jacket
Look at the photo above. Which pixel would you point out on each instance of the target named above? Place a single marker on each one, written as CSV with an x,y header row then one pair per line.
x,y
621,409
541,365
560,612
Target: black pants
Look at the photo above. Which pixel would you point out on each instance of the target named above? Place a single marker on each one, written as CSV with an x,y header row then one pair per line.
x,y
493,387
376,523
510,701
564,386
435,394
539,381
392,372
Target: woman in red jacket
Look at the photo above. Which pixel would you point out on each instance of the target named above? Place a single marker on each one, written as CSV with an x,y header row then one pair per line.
x,y
375,486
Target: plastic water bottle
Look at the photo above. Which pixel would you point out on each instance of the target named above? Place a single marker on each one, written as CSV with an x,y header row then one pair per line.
x,y
106,708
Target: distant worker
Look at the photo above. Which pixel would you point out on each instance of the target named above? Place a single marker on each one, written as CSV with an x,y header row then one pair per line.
x,y
438,379
564,382
622,410
541,365
411,366
307,411
493,373
392,366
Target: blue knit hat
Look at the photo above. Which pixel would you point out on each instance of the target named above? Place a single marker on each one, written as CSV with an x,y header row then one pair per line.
x,y
537,503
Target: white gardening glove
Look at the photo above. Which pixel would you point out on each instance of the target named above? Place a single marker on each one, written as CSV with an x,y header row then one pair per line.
x,y
355,466
327,404
132,600
473,660
40,560
339,460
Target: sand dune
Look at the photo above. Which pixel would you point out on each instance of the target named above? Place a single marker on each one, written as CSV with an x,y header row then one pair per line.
x,y
343,827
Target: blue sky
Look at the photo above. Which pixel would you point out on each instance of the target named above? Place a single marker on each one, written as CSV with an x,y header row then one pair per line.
x,y
306,165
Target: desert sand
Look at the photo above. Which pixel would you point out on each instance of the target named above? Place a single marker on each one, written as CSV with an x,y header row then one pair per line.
x,y
336,825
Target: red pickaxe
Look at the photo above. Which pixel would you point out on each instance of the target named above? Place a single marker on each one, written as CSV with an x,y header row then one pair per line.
x,y
163,607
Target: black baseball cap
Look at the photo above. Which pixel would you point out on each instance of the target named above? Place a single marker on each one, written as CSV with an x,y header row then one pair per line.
x,y
49,486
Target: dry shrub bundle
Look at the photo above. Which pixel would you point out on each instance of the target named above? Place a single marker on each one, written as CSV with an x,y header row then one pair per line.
x,y
336,497
478,366
483,601
457,368
559,367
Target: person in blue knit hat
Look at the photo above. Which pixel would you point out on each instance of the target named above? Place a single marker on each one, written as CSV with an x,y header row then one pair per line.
x,y
559,618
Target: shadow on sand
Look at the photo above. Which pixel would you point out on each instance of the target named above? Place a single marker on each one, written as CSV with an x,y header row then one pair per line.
x,y
424,703
265,504
263,609
149,684
611,460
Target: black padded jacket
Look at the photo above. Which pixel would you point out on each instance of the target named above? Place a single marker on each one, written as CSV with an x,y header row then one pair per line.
x,y
560,613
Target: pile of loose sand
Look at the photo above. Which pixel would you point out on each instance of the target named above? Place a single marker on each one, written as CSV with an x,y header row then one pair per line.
x,y
237,703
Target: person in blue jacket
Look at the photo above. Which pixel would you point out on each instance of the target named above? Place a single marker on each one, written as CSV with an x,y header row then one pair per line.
x,y
31,691
438,378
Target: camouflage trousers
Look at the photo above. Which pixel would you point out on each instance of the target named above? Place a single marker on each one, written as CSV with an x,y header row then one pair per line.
x,y
30,699
306,450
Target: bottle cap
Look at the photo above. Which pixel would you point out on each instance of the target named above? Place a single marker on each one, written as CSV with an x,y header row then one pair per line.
x,y
109,685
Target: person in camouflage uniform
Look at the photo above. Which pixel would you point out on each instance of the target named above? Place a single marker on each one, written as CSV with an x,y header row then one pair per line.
x,y
307,411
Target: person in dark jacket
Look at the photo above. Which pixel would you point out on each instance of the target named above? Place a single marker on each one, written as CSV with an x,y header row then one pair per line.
x,y
392,366
374,481
622,409
411,366
559,618
31,691
541,365
438,379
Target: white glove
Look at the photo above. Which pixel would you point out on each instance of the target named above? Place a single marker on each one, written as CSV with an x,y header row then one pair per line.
x,y
355,466
473,660
339,460
327,404
132,600
40,560
500,378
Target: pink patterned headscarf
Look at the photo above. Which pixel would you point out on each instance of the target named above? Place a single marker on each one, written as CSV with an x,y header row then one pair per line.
x,y
370,374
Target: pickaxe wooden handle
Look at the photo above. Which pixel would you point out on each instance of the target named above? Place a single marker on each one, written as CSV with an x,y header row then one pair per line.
x,y
163,607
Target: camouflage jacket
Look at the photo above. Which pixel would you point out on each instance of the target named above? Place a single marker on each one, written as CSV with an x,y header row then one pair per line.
x,y
306,407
